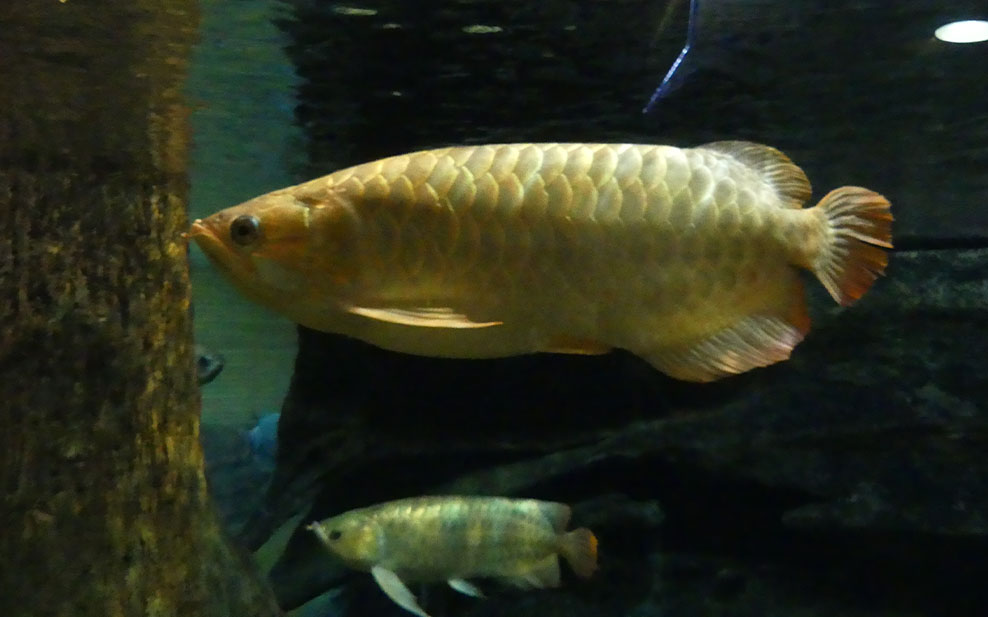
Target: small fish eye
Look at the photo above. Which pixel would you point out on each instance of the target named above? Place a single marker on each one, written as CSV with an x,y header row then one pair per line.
x,y
245,229
335,534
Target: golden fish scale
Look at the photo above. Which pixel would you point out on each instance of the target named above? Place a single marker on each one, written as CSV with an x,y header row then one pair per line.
x,y
432,538
562,232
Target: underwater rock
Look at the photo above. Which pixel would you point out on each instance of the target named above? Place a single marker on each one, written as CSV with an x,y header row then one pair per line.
x,y
239,465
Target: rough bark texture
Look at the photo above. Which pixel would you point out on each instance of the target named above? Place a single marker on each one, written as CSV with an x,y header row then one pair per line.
x,y
102,492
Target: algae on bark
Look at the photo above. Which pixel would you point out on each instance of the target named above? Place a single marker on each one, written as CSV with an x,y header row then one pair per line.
x,y
102,491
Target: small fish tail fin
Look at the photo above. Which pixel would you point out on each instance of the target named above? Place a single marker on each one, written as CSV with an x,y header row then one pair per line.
x,y
858,227
579,548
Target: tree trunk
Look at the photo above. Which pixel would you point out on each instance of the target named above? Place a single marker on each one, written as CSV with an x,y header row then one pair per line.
x,y
103,499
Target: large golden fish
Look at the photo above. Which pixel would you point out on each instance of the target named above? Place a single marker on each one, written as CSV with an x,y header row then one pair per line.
x,y
688,258
429,539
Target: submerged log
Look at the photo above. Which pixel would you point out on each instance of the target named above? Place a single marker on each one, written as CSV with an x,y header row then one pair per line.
x,y
102,491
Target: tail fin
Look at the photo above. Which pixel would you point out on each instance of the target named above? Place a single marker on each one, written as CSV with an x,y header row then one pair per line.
x,y
579,547
858,223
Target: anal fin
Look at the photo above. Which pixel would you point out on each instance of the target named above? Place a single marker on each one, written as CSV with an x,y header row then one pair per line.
x,y
751,343
541,575
765,335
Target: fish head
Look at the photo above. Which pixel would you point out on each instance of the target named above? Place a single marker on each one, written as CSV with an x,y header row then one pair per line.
x,y
278,248
352,537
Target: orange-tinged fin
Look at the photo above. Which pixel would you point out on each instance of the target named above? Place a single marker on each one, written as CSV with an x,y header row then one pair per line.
x,y
763,337
753,342
579,548
422,317
788,180
851,257
584,347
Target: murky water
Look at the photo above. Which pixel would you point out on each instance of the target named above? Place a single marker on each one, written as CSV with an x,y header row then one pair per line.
x,y
242,89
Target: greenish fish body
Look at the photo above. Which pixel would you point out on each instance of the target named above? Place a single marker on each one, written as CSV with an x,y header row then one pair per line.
x,y
428,539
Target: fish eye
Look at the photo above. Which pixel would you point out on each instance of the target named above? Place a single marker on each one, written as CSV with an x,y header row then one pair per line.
x,y
245,229
335,534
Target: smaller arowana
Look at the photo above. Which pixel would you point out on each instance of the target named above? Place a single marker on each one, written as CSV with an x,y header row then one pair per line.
x,y
431,539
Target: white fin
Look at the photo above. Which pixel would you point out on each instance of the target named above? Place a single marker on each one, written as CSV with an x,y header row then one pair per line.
x,y
543,574
423,317
788,180
465,587
390,584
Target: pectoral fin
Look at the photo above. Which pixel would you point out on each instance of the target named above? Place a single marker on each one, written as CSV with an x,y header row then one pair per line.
x,y
465,587
422,317
396,590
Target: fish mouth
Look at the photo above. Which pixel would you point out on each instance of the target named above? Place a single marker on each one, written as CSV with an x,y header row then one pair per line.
x,y
205,237
210,244
224,257
198,228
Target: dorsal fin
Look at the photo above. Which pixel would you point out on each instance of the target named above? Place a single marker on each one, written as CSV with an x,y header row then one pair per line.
x,y
788,180
556,513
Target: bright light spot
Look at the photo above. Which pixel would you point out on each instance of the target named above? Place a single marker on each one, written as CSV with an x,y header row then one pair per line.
x,y
352,10
970,31
481,29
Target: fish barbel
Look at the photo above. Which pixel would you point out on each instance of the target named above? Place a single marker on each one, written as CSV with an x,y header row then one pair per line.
x,y
688,258
452,538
